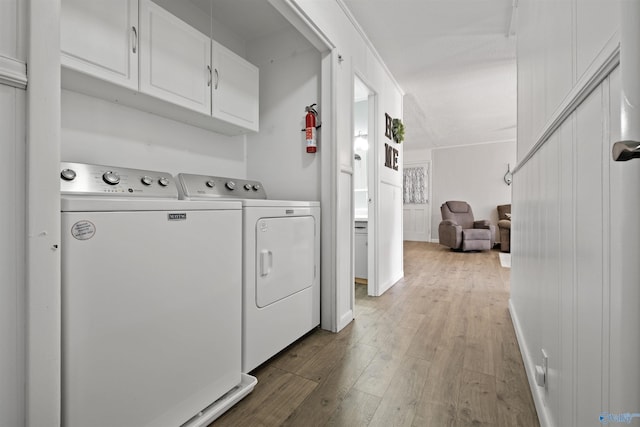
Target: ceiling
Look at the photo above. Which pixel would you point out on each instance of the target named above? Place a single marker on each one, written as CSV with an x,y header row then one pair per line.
x,y
455,61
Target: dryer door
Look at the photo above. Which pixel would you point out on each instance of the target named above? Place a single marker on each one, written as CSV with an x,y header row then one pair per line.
x,y
285,257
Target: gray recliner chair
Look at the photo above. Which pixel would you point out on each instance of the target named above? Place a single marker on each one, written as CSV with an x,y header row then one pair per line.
x,y
458,229
504,227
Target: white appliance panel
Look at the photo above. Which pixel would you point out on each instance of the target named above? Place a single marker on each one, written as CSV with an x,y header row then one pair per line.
x,y
269,329
285,257
137,274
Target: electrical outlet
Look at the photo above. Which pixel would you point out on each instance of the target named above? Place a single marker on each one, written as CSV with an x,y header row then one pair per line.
x,y
542,371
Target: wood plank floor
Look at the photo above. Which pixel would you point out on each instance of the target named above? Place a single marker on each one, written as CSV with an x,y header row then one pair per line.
x,y
437,349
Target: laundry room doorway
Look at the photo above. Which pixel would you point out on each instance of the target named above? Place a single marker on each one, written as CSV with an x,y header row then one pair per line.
x,y
363,180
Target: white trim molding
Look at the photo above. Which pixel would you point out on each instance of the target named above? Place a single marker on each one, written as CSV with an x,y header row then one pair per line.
x,y
370,45
537,392
13,72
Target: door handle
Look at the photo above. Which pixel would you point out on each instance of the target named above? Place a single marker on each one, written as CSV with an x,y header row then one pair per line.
x,y
625,150
135,39
266,262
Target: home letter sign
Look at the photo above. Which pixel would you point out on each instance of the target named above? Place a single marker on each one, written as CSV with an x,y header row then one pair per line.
x,y
388,128
390,157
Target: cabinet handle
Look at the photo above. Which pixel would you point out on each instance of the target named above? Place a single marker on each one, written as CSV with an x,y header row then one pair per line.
x,y
217,79
135,39
209,82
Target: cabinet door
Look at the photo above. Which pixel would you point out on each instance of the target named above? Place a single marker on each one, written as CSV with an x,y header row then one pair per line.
x,y
235,88
361,252
175,59
100,38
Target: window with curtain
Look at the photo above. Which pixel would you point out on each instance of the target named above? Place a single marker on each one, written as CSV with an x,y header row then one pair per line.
x,y
415,185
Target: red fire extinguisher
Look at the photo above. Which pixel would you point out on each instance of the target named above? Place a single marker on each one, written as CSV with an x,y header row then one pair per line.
x,y
311,128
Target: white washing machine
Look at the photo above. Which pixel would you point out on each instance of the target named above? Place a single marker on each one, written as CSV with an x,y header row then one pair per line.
x,y
150,337
281,264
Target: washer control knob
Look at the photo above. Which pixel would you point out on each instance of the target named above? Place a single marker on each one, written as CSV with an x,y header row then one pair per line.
x,y
211,183
163,181
230,185
146,180
68,174
111,178
247,187
256,187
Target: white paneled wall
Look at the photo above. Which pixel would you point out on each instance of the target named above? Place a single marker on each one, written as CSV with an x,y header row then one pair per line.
x,y
561,266
12,262
575,235
13,170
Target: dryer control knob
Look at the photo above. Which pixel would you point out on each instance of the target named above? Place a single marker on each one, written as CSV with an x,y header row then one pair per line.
x,y
247,187
111,178
256,187
211,183
163,181
68,174
146,180
230,185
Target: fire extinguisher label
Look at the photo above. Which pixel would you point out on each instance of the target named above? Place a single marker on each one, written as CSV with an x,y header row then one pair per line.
x,y
311,137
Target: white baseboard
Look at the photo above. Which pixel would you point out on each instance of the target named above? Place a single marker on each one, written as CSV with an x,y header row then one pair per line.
x,y
529,365
385,286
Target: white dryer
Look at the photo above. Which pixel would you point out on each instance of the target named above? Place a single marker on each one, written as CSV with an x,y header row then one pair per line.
x,y
149,336
281,264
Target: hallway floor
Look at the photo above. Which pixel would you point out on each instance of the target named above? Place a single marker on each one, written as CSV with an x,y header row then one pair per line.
x,y
437,349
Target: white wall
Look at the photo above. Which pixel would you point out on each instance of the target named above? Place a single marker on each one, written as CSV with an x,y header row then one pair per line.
x,y
575,275
12,217
473,174
102,132
12,262
289,81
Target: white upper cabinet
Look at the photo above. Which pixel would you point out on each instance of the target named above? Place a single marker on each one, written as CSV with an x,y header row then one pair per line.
x,y
235,88
137,53
175,59
100,38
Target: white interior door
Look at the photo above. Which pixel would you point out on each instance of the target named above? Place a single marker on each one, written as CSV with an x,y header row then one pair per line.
x,y
416,211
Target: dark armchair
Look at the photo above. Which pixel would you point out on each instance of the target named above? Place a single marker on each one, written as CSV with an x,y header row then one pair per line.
x,y
504,225
458,229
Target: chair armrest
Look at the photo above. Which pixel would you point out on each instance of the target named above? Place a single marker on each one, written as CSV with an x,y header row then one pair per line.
x,y
450,234
483,223
504,223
